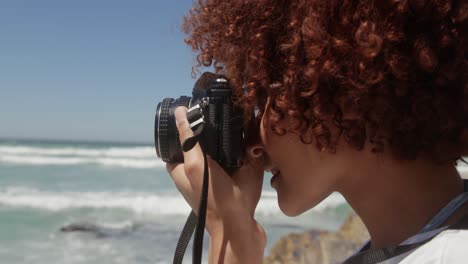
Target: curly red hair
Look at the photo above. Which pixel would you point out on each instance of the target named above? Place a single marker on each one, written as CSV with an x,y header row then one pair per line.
x,y
388,73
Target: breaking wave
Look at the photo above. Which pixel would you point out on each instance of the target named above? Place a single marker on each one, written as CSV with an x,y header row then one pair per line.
x,y
136,202
123,157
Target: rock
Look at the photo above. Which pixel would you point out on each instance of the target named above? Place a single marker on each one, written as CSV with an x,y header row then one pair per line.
x,y
315,247
97,230
84,227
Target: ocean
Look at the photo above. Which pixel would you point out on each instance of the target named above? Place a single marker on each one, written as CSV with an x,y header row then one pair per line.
x,y
121,193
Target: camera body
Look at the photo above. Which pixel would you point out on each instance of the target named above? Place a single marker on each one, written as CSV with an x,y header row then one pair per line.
x,y
211,105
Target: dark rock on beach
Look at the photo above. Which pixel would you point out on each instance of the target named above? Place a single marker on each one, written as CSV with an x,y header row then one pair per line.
x,y
320,247
86,228
98,231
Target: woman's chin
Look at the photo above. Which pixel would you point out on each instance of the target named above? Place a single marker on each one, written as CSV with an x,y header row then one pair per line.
x,y
289,208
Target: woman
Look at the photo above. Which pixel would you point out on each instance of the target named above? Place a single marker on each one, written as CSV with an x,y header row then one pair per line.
x,y
366,98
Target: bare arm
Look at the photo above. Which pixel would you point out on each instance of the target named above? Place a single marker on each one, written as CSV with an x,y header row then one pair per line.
x,y
232,198
242,243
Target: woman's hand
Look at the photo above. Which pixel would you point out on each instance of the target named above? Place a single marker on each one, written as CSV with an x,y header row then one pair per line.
x,y
232,199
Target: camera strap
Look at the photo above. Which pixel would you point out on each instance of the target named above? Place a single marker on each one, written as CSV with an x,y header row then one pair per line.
x,y
195,222
394,254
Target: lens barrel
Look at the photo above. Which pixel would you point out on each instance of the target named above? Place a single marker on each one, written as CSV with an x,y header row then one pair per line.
x,y
166,136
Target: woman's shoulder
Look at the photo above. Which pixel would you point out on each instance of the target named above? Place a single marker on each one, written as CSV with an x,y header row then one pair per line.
x,y
450,246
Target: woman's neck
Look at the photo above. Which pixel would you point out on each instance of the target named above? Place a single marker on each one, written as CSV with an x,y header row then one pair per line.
x,y
399,198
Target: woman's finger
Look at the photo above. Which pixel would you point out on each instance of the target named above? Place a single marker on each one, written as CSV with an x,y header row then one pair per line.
x,y
193,159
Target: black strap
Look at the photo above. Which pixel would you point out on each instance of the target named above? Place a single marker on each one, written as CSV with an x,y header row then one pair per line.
x,y
184,238
200,230
378,255
193,222
373,256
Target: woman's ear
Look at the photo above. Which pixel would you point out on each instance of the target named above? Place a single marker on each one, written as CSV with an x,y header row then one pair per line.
x,y
256,150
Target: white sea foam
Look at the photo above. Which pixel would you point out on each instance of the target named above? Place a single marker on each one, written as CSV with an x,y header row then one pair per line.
x,y
117,225
140,203
154,162
137,202
127,157
134,152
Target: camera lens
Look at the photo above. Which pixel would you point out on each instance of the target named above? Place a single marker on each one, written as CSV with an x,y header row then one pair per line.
x,y
166,136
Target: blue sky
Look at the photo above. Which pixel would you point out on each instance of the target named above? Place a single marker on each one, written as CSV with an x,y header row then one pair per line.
x,y
90,69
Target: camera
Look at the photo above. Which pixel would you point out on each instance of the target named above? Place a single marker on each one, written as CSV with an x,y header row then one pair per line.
x,y
211,105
